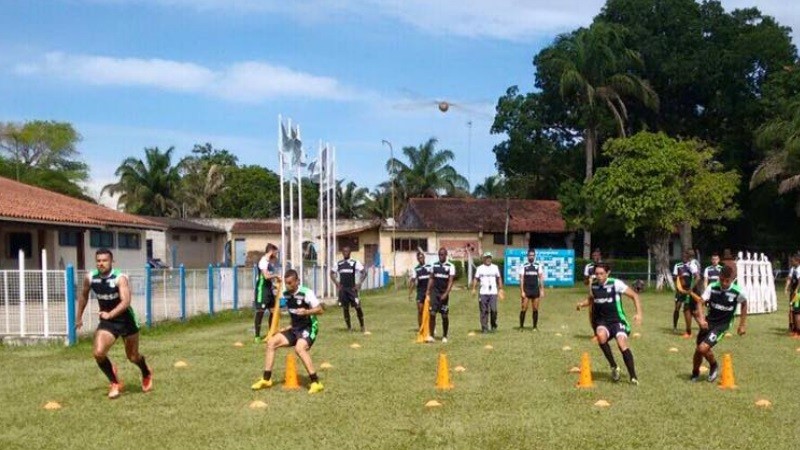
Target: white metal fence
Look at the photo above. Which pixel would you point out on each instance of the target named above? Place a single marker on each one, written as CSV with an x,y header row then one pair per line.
x,y
44,302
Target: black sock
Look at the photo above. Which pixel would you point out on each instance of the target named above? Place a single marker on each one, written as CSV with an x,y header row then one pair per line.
x,y
143,366
313,377
493,319
627,356
522,318
259,319
360,315
108,369
695,373
346,312
609,356
675,315
267,374
445,324
432,324
535,318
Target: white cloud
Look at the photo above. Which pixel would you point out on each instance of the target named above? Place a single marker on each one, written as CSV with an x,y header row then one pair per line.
x,y
516,20
249,81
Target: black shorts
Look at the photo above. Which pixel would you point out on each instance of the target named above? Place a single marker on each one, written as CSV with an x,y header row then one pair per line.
x,y
532,295
349,296
126,327
714,333
687,300
295,334
439,303
421,297
614,328
795,307
266,302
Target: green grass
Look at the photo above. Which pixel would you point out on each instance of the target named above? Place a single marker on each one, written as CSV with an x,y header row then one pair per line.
x,y
517,395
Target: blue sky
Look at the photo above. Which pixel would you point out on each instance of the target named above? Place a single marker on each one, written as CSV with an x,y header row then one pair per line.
x,y
135,73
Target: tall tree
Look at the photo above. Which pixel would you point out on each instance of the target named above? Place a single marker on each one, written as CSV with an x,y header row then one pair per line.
x,y
150,186
350,200
596,73
252,192
379,204
203,179
427,172
654,183
492,187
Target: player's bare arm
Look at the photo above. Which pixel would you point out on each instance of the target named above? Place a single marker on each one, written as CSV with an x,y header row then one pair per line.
x,y
83,300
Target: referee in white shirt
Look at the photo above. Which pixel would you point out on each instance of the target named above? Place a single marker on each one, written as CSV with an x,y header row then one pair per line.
x,y
491,284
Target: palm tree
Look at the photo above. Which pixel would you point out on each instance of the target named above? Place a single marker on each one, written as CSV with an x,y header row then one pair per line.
x,y
200,184
780,137
493,187
379,204
427,173
148,187
351,200
596,71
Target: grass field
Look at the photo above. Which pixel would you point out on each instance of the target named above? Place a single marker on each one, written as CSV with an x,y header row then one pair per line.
x,y
517,395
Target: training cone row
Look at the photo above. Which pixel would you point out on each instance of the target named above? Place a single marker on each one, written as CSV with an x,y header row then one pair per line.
x,y
424,329
726,380
585,377
443,373
291,382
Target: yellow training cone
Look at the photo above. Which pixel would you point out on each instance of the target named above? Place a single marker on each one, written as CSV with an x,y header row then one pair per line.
x,y
355,345
52,406
585,380
602,404
432,404
275,323
763,403
559,334
673,349
291,381
326,365
574,369
238,344
637,335
257,404
488,347
460,369
726,379
180,364
566,348
443,373
472,333
425,327
368,333
703,369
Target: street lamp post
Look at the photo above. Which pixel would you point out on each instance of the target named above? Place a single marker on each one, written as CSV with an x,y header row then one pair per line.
x,y
394,221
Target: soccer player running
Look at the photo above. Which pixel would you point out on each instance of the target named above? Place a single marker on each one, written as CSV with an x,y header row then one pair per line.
x,y
686,277
420,276
609,315
488,275
531,282
117,319
722,298
790,288
303,308
265,297
348,283
443,274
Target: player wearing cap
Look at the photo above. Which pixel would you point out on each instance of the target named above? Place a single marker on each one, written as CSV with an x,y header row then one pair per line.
x,y
488,275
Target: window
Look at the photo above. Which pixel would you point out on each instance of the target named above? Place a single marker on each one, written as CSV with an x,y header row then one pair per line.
x,y
347,241
20,241
68,238
176,237
193,238
129,240
208,239
499,239
104,239
410,244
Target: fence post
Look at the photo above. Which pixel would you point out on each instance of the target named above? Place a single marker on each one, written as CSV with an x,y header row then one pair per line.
x,y
182,272
72,334
22,315
148,296
235,288
211,289
45,295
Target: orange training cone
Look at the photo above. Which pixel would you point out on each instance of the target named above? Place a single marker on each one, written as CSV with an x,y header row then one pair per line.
x,y
726,380
276,313
424,329
443,373
585,380
291,381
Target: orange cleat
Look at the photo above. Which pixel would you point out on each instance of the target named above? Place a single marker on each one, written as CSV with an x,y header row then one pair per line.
x,y
147,382
686,335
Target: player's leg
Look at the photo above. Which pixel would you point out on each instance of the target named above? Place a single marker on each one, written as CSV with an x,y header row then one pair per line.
x,y
493,311
676,313
275,342
627,355
260,307
796,317
103,340
523,310
359,311
687,316
602,332
420,306
445,318
535,312
301,348
433,308
132,352
483,307
344,300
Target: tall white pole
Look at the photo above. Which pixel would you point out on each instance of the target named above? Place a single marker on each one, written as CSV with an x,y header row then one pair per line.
x,y
291,211
335,192
328,228
321,246
45,294
21,256
300,220
283,208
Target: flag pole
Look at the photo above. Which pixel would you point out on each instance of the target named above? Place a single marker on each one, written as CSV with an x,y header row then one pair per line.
x,y
291,206
328,230
283,207
321,246
300,208
335,191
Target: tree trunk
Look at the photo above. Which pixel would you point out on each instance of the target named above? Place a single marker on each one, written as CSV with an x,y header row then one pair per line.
x,y
591,142
659,247
686,236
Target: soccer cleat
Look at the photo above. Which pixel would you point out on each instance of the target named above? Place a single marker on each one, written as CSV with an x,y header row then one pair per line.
x,y
713,373
363,329
257,340
635,381
694,378
615,374
147,382
429,339
686,335
114,390
444,340
315,387
261,384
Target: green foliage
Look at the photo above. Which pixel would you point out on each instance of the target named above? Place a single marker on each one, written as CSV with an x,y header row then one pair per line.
x,y
427,173
150,186
46,145
203,179
252,192
493,186
49,179
351,201
656,183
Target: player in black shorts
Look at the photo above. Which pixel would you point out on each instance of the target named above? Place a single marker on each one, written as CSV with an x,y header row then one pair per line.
x,y
304,307
264,295
420,276
588,277
686,274
722,298
611,322
442,273
348,283
790,289
117,319
531,289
